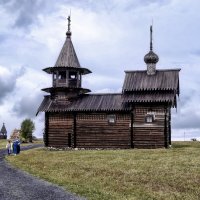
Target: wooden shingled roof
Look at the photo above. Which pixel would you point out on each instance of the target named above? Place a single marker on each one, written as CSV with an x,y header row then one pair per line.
x,y
163,80
149,97
82,70
139,87
86,102
152,97
67,56
67,59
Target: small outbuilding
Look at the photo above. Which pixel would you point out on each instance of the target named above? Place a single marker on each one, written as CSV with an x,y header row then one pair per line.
x,y
138,117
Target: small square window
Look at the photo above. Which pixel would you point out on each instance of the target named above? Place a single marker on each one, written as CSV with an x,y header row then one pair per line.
x,y
149,118
111,119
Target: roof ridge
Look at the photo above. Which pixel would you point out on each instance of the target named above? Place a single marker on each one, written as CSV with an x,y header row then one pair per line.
x,y
104,94
174,69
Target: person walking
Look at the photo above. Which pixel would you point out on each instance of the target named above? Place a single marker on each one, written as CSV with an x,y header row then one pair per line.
x,y
16,147
8,147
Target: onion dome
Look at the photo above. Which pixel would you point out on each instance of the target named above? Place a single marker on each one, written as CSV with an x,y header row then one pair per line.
x,y
151,57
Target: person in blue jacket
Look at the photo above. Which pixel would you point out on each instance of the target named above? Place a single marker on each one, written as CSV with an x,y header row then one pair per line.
x,y
16,147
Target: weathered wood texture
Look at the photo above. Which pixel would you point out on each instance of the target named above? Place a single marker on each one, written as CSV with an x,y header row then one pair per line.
x,y
88,131
46,129
163,80
94,131
60,129
150,135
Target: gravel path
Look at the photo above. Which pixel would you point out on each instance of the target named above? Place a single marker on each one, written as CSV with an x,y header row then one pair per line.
x,y
19,185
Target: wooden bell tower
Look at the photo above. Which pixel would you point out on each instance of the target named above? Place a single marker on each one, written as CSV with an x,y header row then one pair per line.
x,y
67,73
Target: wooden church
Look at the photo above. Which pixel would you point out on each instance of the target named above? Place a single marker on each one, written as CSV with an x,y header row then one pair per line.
x,y
3,132
138,117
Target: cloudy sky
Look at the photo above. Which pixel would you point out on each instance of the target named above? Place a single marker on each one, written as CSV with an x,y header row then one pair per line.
x,y
109,36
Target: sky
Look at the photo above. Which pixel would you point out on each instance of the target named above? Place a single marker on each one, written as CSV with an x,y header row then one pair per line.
x,y
109,36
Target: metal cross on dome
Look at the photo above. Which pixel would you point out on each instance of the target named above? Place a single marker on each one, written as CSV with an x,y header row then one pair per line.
x,y
69,22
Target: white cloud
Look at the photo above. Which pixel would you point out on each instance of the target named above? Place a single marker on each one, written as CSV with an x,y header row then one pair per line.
x,y
23,101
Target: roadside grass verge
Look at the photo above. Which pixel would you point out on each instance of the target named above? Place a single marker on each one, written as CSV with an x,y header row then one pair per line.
x,y
138,174
3,143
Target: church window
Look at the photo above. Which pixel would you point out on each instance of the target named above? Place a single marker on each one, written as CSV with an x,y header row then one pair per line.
x,y
72,75
111,119
149,118
62,75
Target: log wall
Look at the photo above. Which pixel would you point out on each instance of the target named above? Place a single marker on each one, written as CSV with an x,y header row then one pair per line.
x,y
94,131
60,129
151,135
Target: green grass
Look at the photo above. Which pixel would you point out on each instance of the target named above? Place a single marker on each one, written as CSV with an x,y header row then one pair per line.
x,y
120,174
3,143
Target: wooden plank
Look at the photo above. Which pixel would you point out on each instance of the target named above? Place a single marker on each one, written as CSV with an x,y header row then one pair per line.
x,y
97,132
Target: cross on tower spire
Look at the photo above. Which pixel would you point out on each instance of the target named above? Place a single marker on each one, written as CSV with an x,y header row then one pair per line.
x,y
69,21
69,24
151,58
151,38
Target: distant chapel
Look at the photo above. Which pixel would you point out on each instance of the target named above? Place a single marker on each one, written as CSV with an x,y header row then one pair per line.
x,y
3,132
138,117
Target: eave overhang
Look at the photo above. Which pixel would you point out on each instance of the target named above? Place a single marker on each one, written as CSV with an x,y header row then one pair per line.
x,y
82,70
66,89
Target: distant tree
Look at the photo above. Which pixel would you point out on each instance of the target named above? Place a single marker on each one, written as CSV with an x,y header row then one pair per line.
x,y
27,128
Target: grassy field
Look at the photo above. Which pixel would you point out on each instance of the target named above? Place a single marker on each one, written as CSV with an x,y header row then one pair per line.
x,y
3,143
120,174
